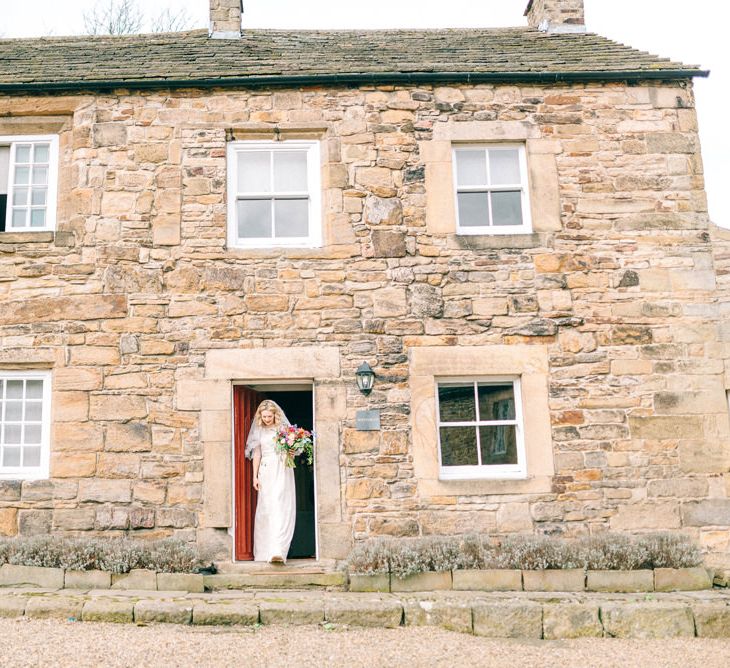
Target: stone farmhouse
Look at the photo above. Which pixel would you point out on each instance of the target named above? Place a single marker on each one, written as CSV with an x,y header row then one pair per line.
x,y
509,226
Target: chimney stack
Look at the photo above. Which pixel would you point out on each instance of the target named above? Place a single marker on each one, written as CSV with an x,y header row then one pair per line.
x,y
225,19
556,16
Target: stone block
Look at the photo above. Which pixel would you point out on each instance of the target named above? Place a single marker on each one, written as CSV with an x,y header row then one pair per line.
x,y
711,621
710,512
355,442
569,579
73,464
513,517
53,607
137,578
8,521
31,576
164,612
370,583
363,611
652,515
128,437
108,610
681,579
110,134
110,517
387,243
118,465
70,436
508,620
105,491
561,621
12,606
225,613
620,581
117,407
431,581
383,211
87,580
293,611
487,580
389,302
34,522
647,620
666,427
74,519
454,615
55,309
180,582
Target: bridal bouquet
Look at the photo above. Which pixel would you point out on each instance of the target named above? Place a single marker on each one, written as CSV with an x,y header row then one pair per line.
x,y
293,441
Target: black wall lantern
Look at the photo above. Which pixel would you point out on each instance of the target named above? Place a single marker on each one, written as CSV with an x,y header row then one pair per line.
x,y
365,377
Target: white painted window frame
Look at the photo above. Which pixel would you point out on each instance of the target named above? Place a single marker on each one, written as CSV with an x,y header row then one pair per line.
x,y
516,471
52,193
42,471
312,149
523,186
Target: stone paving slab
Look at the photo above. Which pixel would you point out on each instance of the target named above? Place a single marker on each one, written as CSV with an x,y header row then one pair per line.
x,y
524,615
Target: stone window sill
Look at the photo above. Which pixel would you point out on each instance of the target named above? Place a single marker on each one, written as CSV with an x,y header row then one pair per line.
x,y
498,241
39,237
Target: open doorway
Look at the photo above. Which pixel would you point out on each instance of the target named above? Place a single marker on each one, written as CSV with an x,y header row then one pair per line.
x,y
297,402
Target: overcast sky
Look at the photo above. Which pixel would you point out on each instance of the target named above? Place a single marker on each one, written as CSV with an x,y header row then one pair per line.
x,y
693,32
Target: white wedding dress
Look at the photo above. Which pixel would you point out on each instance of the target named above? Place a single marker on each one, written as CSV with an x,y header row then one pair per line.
x,y
276,510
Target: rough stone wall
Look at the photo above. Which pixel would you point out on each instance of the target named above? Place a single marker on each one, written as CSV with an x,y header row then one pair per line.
x,y
137,285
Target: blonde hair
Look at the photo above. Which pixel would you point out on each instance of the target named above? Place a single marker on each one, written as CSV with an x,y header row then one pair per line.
x,y
268,405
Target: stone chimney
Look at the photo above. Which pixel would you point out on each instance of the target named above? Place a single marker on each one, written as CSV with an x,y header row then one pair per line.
x,y
556,15
225,19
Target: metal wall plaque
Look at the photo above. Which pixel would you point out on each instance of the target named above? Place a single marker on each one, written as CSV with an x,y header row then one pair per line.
x,y
367,420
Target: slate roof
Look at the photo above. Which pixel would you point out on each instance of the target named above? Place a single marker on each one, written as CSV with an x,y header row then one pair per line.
x,y
268,57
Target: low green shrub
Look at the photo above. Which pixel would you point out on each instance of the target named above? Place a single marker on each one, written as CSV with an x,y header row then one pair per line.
x,y
408,556
116,555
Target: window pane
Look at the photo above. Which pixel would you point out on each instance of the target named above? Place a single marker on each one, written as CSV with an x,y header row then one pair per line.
x,y
496,402
22,175
14,389
40,176
254,218
41,153
38,197
20,196
22,153
254,171
32,434
34,389
12,433
290,171
38,218
499,444
473,209
32,456
19,218
292,217
471,168
13,411
33,411
11,456
507,208
504,167
458,446
456,403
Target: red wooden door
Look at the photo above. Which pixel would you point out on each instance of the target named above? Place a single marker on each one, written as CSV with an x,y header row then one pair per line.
x,y
245,403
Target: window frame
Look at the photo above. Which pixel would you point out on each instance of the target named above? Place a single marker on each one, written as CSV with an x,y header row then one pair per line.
x,y
42,471
52,185
312,150
524,188
516,471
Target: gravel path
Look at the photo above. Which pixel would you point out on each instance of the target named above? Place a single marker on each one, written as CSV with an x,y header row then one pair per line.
x,y
56,643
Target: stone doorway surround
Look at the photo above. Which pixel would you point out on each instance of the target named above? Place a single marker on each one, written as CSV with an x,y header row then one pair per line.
x,y
317,365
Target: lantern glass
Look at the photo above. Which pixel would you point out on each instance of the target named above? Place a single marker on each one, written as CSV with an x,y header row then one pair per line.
x,y
365,378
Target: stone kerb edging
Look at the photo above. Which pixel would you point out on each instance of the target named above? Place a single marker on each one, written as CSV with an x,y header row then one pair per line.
x,y
494,615
59,578
566,580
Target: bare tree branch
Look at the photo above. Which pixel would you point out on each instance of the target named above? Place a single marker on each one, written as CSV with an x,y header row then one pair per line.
x,y
114,17
167,21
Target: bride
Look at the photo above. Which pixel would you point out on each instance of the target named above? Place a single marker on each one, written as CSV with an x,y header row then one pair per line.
x,y
274,481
